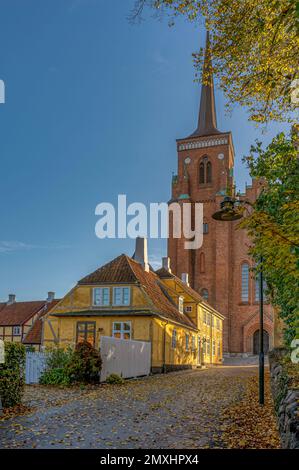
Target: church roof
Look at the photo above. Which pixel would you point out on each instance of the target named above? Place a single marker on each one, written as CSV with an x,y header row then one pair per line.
x,y
207,121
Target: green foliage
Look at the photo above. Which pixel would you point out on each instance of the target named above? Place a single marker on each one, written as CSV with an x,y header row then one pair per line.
x,y
114,379
55,376
67,366
85,365
274,222
255,49
56,372
12,375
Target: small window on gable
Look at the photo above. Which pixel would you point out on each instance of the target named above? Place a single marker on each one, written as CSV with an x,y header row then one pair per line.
x,y
188,309
121,295
16,331
181,304
101,296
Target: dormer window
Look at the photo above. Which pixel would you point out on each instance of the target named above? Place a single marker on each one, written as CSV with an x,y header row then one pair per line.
x,y
181,304
101,296
121,296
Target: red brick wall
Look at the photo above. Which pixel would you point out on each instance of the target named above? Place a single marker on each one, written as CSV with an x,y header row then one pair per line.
x,y
225,247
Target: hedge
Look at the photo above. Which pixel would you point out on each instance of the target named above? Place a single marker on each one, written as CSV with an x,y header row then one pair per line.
x,y
12,375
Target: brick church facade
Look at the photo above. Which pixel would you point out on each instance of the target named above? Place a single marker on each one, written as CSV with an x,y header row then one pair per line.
x,y
220,269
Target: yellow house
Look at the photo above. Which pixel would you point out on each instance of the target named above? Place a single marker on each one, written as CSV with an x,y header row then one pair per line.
x,y
126,299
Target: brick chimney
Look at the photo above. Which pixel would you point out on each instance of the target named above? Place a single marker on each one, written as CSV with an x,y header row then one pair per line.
x,y
185,278
11,299
51,296
166,263
141,255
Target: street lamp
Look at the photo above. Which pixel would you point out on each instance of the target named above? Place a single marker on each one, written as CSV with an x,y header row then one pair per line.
x,y
228,213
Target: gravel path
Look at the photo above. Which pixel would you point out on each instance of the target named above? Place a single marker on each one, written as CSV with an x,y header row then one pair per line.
x,y
163,411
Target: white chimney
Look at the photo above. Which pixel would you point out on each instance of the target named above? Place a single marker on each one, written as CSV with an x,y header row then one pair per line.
x,y
166,263
11,299
51,296
185,278
140,254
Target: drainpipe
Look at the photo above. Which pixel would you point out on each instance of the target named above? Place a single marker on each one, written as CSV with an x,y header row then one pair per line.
x,y
164,348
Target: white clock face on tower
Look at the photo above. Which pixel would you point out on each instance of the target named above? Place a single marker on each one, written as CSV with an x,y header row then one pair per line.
x,y
187,160
221,156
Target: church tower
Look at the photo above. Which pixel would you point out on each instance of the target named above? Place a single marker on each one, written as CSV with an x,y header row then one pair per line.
x,y
205,174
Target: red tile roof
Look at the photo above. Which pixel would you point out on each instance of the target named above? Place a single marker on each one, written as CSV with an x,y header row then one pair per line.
x,y
124,269
34,335
164,274
19,312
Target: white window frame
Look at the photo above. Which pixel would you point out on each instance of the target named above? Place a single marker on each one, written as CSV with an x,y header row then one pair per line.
x,y
173,338
100,290
122,303
193,344
122,329
16,330
181,304
213,347
187,340
218,348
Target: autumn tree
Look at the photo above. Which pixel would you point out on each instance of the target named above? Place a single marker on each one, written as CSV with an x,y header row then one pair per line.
x,y
255,49
273,225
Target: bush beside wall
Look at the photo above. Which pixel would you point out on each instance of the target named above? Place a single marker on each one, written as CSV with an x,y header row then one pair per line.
x,y
12,375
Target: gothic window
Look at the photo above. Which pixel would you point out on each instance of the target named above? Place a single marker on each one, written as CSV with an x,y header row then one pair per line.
x,y
201,173
245,282
209,172
202,262
205,294
205,170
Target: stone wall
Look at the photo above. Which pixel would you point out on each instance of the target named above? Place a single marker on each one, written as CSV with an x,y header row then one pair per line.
x,y
285,392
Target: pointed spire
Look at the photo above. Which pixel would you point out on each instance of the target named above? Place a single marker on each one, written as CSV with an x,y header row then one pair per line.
x,y
207,122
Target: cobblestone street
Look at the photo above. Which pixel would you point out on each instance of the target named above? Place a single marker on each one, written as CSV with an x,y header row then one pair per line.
x,y
164,411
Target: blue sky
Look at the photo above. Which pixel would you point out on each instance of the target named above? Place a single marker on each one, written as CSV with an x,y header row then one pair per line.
x,y
93,108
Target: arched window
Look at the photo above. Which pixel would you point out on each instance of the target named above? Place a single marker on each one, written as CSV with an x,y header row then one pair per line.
x,y
205,170
202,262
209,172
245,282
205,294
201,173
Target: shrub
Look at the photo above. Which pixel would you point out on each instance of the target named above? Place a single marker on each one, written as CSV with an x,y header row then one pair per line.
x,y
114,379
56,372
85,365
12,375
